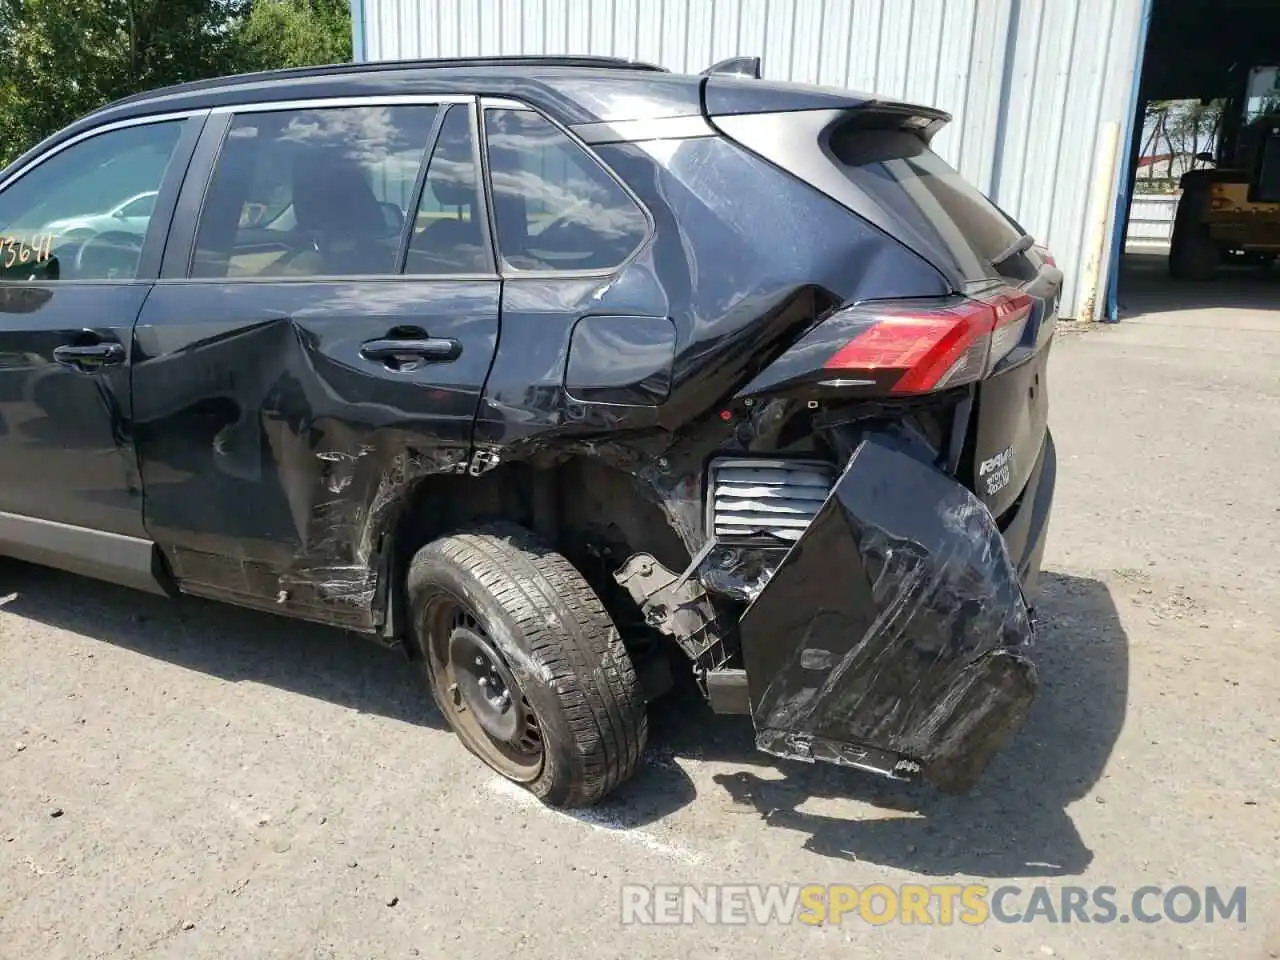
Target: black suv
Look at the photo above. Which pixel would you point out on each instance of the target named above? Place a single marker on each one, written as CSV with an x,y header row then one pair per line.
x,y
554,371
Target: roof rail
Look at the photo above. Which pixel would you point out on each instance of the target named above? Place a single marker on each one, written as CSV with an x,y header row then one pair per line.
x,y
748,67
378,66
510,60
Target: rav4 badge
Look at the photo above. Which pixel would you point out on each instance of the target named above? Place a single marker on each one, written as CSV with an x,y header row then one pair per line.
x,y
997,470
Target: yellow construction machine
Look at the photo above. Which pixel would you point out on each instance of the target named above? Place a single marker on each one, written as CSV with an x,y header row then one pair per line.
x,y
1231,211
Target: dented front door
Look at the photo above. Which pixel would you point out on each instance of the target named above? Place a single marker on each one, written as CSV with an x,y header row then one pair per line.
x,y
281,416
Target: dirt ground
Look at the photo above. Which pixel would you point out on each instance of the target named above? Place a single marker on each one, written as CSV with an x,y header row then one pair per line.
x,y
179,779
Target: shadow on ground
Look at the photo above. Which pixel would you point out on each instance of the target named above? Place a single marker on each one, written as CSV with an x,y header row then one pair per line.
x,y
226,642
302,658
1014,823
1146,288
239,645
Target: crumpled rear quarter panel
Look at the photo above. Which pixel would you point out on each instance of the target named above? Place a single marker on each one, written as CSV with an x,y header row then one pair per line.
x,y
897,623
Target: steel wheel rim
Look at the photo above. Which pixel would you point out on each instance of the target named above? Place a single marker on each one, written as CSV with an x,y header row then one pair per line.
x,y
462,653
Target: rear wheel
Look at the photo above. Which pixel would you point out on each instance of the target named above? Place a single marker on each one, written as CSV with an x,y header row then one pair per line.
x,y
526,665
1193,253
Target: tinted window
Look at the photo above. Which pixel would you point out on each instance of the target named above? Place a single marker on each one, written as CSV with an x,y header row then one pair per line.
x,y
61,220
447,234
1262,95
139,206
303,193
899,172
555,207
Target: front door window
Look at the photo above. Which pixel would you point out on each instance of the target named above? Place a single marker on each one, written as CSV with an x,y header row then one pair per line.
x,y
83,213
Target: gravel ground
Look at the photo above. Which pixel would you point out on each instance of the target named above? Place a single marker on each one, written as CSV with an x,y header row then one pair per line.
x,y
179,779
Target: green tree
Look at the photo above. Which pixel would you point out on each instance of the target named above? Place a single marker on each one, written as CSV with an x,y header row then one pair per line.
x,y
1194,127
294,33
1179,130
60,60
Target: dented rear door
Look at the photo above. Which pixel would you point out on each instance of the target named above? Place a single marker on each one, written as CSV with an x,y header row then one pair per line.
x,y
293,378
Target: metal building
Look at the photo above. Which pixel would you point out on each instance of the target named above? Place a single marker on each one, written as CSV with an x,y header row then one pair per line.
x,y
1042,91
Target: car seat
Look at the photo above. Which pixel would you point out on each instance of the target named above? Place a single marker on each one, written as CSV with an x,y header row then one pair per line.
x,y
335,206
454,243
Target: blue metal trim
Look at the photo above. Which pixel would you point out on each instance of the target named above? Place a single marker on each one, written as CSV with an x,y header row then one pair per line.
x,y
1122,187
359,52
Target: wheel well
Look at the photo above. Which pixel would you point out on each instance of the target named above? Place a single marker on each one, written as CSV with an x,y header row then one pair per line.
x,y
594,514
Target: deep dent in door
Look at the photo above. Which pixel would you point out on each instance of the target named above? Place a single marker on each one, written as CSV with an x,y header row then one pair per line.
x,y
341,485
275,459
894,634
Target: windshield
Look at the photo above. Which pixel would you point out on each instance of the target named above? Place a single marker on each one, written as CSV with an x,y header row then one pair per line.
x,y
1262,96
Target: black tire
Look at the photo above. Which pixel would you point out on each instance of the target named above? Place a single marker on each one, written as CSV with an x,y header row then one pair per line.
x,y
1193,253
554,639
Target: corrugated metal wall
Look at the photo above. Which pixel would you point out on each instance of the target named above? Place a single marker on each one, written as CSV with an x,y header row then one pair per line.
x,y
1032,84
1151,221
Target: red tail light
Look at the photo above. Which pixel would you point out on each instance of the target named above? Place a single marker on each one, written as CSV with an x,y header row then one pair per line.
x,y
922,346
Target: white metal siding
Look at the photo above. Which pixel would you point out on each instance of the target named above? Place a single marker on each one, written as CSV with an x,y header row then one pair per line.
x,y
1151,220
1031,83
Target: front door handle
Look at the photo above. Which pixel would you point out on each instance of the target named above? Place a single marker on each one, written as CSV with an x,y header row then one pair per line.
x,y
89,356
395,351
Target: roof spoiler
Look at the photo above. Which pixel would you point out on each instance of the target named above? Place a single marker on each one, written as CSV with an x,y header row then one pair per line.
x,y
748,67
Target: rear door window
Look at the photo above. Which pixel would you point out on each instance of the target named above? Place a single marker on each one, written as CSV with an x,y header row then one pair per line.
x,y
306,193
554,205
449,234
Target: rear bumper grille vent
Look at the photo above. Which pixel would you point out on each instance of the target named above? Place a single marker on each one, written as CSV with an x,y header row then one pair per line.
x,y
777,499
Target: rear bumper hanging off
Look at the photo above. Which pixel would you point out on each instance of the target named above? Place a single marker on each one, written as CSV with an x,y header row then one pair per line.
x,y
895,634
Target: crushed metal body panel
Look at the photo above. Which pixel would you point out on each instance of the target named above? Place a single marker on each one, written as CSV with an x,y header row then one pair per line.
x,y
780,411
896,626
274,456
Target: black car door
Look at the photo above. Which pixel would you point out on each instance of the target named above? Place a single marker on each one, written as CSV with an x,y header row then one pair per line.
x,y
318,341
73,278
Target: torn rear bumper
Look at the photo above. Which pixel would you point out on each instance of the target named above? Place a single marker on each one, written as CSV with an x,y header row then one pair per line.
x,y
895,634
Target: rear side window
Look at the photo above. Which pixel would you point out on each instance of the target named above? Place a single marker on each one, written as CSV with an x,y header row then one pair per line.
x,y
554,205
448,232
872,164
898,171
305,193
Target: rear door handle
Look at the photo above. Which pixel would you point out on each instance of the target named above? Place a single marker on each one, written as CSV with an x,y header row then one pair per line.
x,y
89,356
432,349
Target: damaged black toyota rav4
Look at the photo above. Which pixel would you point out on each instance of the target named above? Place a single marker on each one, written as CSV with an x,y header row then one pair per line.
x,y
554,371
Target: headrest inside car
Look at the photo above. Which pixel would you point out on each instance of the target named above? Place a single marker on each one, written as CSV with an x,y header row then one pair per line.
x,y
452,187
